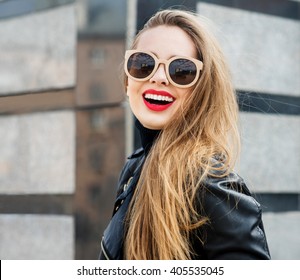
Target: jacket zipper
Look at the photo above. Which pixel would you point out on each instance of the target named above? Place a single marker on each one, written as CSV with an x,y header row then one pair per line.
x,y
103,250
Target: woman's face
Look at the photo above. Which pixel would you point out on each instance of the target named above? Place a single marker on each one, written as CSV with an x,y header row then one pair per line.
x,y
165,42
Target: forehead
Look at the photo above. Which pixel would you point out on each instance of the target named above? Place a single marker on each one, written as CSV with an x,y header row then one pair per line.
x,y
167,41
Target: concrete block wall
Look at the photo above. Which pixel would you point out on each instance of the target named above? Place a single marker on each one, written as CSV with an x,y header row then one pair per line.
x,y
37,153
263,49
261,40
62,125
36,237
37,143
62,119
38,50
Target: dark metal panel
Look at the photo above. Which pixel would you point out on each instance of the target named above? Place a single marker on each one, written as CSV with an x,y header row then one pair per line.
x,y
279,202
146,8
281,8
37,204
265,103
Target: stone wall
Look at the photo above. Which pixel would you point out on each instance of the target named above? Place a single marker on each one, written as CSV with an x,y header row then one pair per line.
x,y
37,140
38,51
263,50
62,117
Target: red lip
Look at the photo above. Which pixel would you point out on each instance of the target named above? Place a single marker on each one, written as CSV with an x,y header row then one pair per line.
x,y
159,92
157,107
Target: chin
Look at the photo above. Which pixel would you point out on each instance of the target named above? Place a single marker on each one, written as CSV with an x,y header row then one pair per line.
x,y
152,125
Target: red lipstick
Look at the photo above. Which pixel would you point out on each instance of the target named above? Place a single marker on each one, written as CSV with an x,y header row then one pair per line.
x,y
157,100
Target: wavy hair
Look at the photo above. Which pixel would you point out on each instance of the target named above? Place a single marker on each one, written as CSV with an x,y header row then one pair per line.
x,y
163,212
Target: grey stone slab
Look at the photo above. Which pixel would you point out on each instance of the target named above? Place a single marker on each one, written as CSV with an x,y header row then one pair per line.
x,y
263,51
37,153
270,158
283,235
38,50
36,237
102,17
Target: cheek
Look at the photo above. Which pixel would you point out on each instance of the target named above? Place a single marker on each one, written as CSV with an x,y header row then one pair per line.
x,y
184,94
133,87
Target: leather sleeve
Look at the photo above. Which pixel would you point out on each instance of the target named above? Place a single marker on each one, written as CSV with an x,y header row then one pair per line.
x,y
235,229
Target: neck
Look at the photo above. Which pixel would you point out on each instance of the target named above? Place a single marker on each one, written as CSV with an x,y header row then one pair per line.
x,y
147,136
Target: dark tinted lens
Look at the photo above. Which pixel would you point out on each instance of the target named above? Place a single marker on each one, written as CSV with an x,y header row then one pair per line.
x,y
140,65
182,71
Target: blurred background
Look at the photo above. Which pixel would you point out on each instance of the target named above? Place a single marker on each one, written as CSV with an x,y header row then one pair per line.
x,y
65,127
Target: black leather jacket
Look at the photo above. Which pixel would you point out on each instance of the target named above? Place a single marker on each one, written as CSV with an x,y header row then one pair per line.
x,y
235,230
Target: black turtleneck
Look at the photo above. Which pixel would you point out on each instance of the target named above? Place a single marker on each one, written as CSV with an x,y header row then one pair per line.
x,y
148,136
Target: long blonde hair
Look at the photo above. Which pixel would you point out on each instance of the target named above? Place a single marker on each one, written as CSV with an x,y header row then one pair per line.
x,y
163,212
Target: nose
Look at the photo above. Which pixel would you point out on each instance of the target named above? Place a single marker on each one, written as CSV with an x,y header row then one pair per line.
x,y
160,76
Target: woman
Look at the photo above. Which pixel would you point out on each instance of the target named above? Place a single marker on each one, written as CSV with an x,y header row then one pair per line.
x,y
178,197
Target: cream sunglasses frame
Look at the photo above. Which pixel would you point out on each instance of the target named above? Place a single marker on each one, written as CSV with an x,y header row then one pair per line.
x,y
166,62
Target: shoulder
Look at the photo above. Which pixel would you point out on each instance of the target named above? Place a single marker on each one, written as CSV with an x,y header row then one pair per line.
x,y
235,229
226,199
229,186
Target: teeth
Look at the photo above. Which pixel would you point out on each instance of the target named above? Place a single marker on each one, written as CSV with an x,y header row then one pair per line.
x,y
159,97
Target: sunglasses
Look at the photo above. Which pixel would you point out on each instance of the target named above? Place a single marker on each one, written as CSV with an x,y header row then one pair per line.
x,y
181,71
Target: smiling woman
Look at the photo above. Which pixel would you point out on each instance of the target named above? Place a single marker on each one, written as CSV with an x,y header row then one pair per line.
x,y
178,196
161,73
181,72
